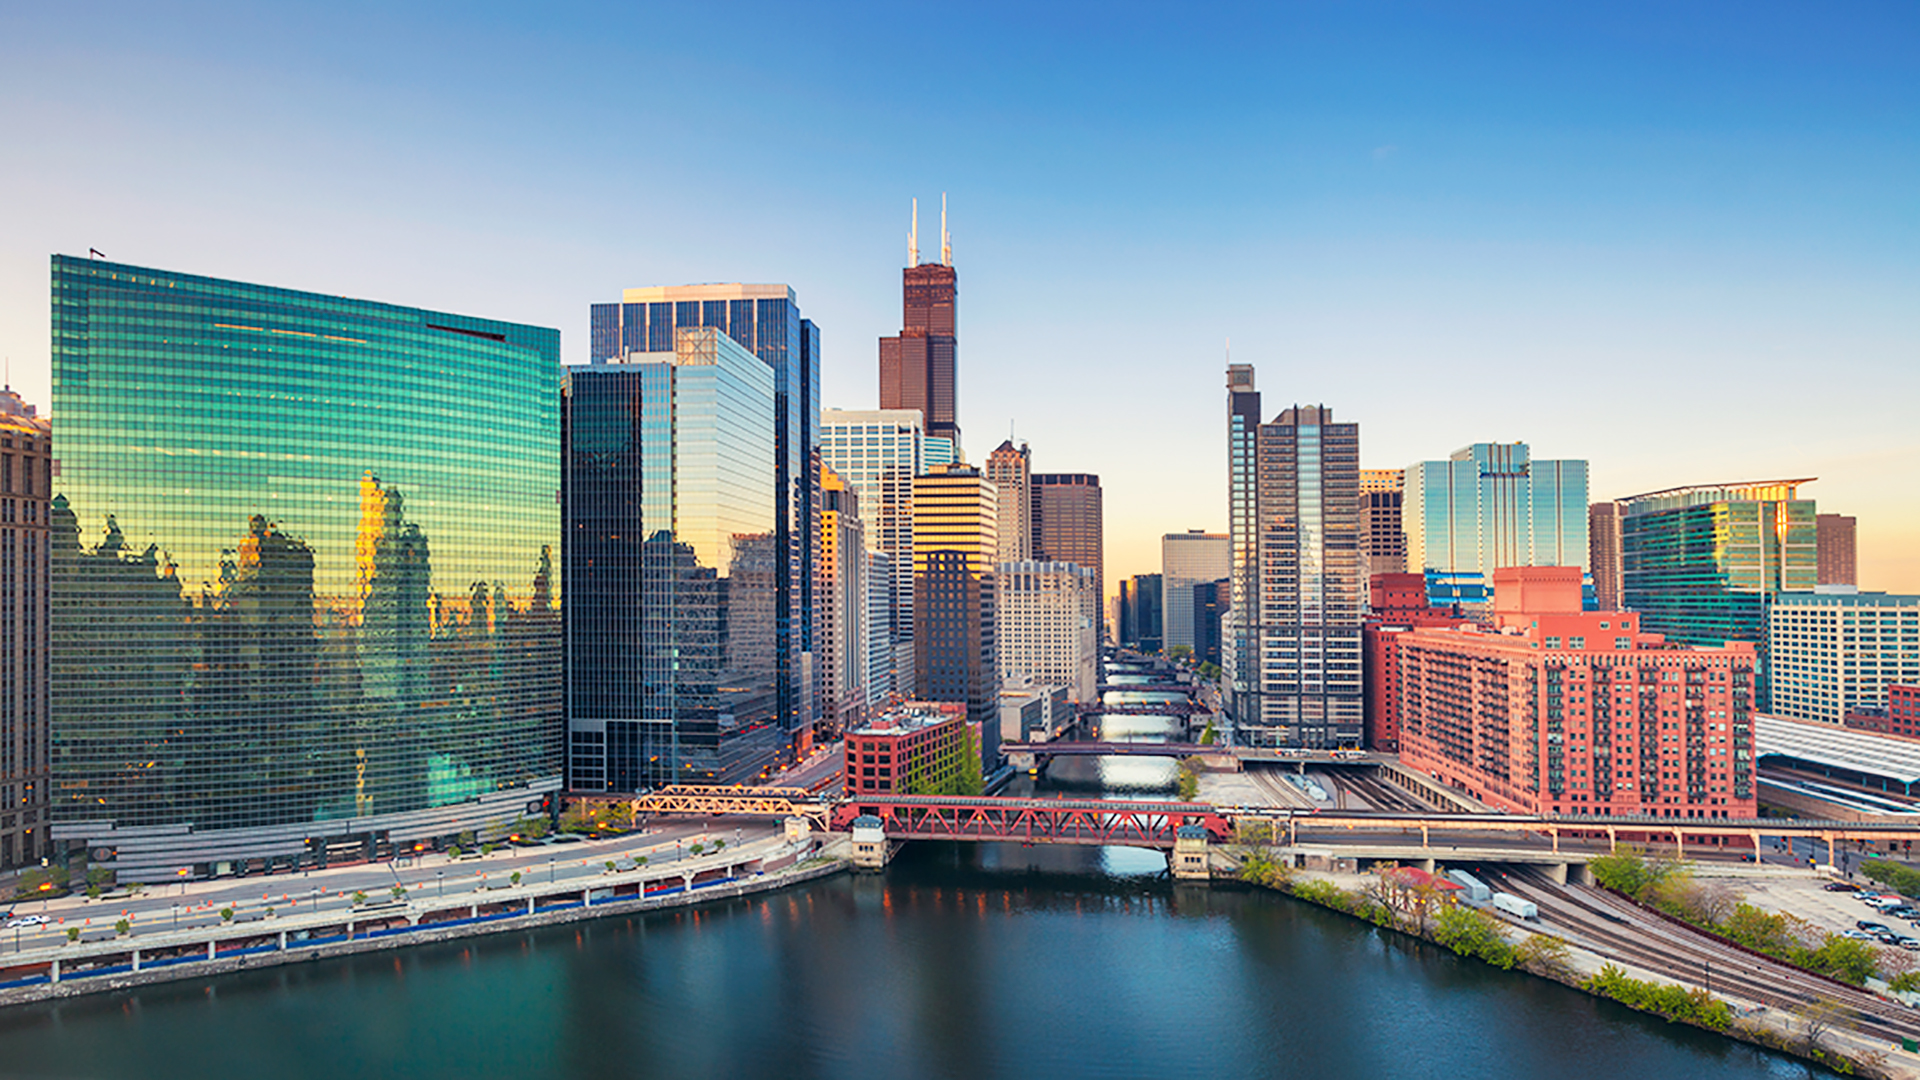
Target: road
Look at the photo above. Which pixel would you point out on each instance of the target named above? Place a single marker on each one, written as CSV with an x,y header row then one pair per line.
x,y
198,903
823,772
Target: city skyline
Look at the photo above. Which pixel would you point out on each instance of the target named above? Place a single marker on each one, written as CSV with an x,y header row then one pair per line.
x,y
1592,201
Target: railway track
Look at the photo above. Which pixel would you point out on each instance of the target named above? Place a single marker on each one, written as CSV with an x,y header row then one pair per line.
x,y
1381,795
1619,929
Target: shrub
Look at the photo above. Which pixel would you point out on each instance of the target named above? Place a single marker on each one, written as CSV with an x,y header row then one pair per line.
x,y
226,914
609,866
123,928
1472,932
399,892
1544,954
1694,1006
359,897
697,848
73,933
515,879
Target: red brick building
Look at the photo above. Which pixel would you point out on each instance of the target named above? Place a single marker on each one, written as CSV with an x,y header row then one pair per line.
x,y
916,745
1556,710
1398,603
1900,716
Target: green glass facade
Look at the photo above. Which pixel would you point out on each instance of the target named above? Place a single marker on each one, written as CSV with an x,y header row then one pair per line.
x,y
303,569
1701,564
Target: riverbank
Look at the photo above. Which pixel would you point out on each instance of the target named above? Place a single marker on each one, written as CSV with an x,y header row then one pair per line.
x,y
117,964
1549,957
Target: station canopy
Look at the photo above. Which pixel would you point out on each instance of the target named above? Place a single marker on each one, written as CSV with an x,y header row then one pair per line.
x,y
1883,757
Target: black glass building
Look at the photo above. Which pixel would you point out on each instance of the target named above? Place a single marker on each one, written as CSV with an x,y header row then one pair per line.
x,y
764,320
304,600
672,568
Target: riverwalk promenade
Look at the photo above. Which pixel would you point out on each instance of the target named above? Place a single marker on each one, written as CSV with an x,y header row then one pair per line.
x,y
105,958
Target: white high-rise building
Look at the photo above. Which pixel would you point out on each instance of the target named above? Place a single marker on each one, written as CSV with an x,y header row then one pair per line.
x,y
879,452
1046,631
1837,648
1188,559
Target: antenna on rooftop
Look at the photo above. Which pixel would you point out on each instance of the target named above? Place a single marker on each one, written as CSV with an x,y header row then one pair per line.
x,y
946,242
913,237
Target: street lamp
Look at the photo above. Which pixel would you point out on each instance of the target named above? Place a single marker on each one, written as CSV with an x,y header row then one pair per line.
x,y
549,869
440,882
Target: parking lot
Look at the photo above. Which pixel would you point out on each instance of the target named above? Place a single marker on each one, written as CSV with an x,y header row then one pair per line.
x,y
1805,897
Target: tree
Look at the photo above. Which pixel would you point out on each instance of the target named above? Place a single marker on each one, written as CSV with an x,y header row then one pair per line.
x,y
1815,1018
1545,954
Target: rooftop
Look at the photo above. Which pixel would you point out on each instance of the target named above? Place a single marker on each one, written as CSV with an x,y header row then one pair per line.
x,y
910,717
1864,752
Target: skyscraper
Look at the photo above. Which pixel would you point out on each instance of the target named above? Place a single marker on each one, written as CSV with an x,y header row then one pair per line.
x,y
765,320
1149,608
1211,601
1239,670
1487,507
1835,536
955,539
1385,538
918,366
672,649
1700,564
879,452
303,597
1188,559
1044,632
1010,469
1307,626
844,598
1603,553
1067,522
1831,651
26,478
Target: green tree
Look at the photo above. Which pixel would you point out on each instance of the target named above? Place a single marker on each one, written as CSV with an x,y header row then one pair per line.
x,y
1472,932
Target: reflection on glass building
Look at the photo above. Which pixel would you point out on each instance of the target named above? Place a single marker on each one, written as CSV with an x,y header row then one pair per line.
x,y
1487,507
304,601
1701,564
673,568
765,321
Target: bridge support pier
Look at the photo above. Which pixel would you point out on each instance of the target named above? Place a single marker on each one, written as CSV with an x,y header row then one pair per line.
x,y
1192,855
1558,872
869,843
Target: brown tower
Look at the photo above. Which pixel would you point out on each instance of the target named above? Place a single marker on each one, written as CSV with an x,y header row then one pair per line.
x,y
917,368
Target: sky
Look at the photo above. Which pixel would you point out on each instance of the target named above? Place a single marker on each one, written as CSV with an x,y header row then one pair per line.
x,y
1679,241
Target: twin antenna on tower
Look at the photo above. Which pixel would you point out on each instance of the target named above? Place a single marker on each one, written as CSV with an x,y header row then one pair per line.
x,y
913,235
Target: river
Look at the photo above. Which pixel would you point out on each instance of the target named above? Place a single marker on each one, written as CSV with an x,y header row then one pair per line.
x,y
962,961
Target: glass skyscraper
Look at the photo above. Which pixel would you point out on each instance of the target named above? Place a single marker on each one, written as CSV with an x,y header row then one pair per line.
x,y
879,452
765,320
303,592
671,556
1489,506
1700,564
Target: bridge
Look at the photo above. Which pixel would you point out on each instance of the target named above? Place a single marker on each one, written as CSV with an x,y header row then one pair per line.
x,y
1112,749
1166,708
1155,824
1096,822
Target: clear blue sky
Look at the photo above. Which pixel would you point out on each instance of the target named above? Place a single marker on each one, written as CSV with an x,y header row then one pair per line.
x,y
1682,241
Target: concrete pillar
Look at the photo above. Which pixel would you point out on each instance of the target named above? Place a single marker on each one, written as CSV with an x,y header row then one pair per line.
x,y
1423,836
283,941
1613,842
1428,864
1558,872
529,904
1555,833
473,911
210,950
54,972
1679,842
1580,873
136,959
1831,861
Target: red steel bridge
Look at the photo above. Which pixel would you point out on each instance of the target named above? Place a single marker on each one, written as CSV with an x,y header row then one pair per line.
x,y
1033,821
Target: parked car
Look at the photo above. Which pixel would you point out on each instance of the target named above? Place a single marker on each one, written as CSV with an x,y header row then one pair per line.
x,y
1857,935
1871,927
1901,911
1908,942
1888,938
1840,886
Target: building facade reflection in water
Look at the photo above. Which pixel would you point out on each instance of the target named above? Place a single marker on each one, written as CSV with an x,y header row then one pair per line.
x,y
673,566
302,558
